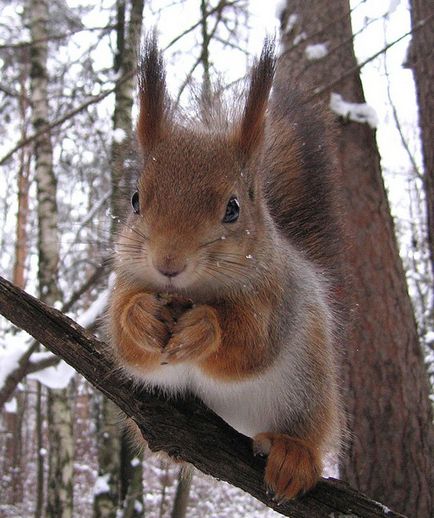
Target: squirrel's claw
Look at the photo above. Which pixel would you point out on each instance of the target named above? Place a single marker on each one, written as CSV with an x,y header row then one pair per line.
x,y
293,465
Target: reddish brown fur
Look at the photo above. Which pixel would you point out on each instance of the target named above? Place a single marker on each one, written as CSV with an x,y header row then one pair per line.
x,y
242,332
293,465
252,127
280,169
136,327
304,203
154,103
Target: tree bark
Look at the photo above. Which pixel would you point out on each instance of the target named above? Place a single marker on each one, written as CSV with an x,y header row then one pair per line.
x,y
421,60
106,502
131,479
125,62
12,462
60,439
182,495
184,429
389,454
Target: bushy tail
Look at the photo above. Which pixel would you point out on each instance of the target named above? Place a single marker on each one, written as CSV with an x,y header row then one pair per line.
x,y
302,179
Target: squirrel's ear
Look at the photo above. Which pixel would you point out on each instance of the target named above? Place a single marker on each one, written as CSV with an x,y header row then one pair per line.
x,y
251,129
154,103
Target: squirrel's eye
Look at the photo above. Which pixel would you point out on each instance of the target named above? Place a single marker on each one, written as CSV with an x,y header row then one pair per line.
x,y
232,211
135,202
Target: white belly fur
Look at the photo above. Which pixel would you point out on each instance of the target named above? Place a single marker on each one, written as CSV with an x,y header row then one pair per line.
x,y
249,406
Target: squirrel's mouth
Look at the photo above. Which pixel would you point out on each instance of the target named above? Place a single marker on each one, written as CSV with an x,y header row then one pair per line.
x,y
173,282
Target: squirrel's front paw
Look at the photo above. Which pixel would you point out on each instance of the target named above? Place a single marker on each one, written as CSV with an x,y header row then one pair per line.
x,y
195,336
147,322
293,466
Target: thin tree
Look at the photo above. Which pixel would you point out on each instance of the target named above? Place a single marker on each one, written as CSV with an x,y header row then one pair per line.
x,y
12,462
114,451
60,440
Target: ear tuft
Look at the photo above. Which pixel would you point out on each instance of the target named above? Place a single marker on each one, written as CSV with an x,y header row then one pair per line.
x,y
153,99
251,130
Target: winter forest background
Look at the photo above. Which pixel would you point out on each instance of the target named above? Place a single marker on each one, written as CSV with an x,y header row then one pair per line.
x,y
67,110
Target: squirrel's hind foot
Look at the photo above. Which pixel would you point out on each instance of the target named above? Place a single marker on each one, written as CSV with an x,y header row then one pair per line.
x,y
293,465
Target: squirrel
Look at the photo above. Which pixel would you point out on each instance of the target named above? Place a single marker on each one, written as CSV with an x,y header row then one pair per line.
x,y
225,269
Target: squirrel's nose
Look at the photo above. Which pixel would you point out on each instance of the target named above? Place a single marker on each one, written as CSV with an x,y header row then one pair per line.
x,y
169,272
169,266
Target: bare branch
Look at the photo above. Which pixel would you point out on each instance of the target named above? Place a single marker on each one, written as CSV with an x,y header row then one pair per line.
x,y
54,37
25,366
325,89
218,7
67,116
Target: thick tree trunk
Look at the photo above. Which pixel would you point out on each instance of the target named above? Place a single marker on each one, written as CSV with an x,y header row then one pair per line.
x,y
421,60
60,439
184,429
389,453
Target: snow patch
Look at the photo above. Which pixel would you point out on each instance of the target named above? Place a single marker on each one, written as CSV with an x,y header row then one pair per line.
x,y
429,337
87,157
56,377
280,7
290,24
14,346
37,357
393,5
11,406
119,135
101,485
299,38
316,51
358,112
88,317
135,462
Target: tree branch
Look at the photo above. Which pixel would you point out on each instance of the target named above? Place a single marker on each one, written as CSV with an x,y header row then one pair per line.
x,y
25,366
185,429
68,115
326,88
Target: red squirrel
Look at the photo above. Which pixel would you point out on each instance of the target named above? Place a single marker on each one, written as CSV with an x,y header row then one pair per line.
x,y
224,269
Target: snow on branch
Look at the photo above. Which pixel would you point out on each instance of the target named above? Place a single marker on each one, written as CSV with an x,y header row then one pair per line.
x,y
183,428
357,112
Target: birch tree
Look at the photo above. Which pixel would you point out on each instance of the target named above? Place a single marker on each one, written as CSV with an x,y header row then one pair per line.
x,y
60,440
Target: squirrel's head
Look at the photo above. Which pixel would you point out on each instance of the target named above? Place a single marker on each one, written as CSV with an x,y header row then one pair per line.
x,y
198,215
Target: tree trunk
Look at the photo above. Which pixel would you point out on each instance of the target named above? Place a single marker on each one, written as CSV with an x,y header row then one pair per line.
x,y
128,40
40,471
60,439
61,455
131,479
389,454
107,497
421,60
12,463
182,495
